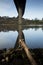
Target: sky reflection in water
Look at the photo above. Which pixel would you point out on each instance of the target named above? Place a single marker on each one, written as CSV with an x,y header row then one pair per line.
x,y
8,39
33,38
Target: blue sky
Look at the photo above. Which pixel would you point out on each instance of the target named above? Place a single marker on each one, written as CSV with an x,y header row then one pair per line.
x,y
34,9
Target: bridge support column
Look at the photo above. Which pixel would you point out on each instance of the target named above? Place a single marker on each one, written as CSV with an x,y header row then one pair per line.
x,y
20,41
20,23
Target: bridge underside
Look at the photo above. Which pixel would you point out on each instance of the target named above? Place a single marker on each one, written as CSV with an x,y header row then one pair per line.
x,y
20,4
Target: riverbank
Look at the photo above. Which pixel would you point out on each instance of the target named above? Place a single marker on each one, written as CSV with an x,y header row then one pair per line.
x,y
7,27
14,20
18,56
7,23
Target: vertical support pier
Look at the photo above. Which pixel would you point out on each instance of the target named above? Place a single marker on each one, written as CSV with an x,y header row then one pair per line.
x,y
20,23
20,42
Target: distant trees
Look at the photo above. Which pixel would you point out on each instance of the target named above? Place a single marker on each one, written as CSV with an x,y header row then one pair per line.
x,y
42,19
13,20
36,19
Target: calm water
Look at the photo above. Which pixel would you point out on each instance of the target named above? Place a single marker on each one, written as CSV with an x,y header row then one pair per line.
x,y
33,38
8,39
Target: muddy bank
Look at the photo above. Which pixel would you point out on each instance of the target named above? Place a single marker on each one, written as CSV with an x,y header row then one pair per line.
x,y
18,57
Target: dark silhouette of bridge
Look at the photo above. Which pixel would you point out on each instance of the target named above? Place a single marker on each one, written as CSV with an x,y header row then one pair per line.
x,y
20,5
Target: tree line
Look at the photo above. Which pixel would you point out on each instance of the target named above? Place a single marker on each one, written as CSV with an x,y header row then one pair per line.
x,y
13,20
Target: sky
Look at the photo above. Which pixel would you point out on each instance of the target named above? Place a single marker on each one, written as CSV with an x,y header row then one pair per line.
x,y
34,9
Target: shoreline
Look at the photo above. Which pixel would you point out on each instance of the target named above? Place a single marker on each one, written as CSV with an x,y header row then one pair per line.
x,y
18,56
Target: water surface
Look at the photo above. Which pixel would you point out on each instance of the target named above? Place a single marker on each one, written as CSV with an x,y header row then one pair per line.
x,y
8,39
33,38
